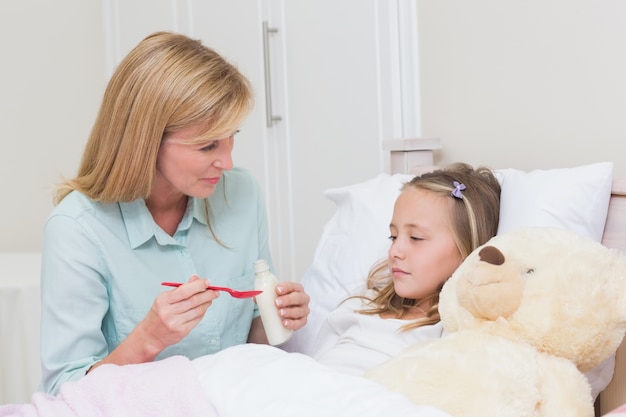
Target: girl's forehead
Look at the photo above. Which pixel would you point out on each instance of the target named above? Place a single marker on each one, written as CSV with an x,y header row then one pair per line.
x,y
418,206
420,197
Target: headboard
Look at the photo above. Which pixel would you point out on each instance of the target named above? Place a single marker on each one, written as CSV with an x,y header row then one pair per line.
x,y
615,237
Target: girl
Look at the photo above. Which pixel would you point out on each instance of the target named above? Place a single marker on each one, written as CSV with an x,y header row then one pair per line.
x,y
438,219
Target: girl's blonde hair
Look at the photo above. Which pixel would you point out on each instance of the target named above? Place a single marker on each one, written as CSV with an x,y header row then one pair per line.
x,y
473,220
166,83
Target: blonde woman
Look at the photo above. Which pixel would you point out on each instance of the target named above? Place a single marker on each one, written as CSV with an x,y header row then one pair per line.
x,y
157,198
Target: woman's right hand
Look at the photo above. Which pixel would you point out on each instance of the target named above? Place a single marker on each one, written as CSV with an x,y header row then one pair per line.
x,y
176,312
172,316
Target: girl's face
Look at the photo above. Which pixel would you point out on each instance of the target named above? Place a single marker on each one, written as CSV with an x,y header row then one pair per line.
x,y
423,253
192,170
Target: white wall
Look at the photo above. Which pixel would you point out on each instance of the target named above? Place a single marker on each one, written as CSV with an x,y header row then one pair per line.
x,y
51,81
532,84
526,84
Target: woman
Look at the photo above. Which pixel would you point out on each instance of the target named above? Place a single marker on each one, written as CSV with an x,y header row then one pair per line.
x,y
157,199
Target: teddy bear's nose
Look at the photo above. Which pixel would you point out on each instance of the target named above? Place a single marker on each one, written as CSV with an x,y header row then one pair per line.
x,y
491,255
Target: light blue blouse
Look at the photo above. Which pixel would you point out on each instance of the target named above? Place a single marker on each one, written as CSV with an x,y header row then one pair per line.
x,y
102,265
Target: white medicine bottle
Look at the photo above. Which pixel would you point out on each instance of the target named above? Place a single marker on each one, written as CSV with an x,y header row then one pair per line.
x,y
272,322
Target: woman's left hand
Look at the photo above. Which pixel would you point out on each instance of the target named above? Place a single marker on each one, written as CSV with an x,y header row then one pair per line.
x,y
293,304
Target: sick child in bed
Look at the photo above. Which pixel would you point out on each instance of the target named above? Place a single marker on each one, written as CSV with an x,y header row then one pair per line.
x,y
157,198
438,219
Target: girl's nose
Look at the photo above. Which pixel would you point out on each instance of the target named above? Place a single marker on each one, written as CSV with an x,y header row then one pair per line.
x,y
395,250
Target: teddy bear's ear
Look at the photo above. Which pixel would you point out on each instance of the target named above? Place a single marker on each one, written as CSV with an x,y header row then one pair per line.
x,y
607,302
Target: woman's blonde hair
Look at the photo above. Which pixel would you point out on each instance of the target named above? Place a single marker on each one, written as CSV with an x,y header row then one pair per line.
x,y
473,220
166,83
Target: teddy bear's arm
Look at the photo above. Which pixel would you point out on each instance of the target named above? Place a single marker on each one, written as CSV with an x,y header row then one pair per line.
x,y
564,389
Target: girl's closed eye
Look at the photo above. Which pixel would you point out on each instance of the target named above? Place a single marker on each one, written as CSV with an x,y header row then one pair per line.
x,y
392,237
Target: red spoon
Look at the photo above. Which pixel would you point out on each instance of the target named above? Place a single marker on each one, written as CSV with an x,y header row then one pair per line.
x,y
234,293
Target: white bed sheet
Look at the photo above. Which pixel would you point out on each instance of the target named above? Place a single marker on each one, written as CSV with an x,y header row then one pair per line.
x,y
263,381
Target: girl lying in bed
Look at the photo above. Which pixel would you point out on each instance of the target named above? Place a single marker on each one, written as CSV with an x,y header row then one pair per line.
x,y
438,219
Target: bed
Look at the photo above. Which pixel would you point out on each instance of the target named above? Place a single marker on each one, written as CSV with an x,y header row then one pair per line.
x,y
586,199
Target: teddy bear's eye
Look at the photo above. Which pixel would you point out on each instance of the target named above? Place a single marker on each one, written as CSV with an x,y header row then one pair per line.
x,y
530,271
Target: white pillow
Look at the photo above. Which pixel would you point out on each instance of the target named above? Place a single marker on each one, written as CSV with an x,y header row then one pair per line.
x,y
576,199
356,236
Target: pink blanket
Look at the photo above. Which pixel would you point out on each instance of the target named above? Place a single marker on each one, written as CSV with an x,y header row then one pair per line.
x,y
618,412
165,388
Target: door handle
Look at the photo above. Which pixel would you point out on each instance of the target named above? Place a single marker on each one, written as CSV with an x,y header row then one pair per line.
x,y
269,115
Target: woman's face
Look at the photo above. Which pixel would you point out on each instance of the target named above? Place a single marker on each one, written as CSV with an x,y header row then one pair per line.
x,y
193,170
423,253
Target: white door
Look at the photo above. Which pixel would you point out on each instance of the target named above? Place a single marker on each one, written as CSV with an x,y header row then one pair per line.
x,y
335,114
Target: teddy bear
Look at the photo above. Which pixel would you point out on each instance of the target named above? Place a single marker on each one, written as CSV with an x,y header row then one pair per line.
x,y
525,315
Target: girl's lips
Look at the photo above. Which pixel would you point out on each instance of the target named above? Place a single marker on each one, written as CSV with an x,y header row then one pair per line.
x,y
397,272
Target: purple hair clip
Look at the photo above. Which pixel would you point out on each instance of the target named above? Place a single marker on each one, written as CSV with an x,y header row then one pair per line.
x,y
458,187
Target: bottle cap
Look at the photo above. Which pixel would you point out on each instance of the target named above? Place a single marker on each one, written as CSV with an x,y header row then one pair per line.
x,y
261,266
